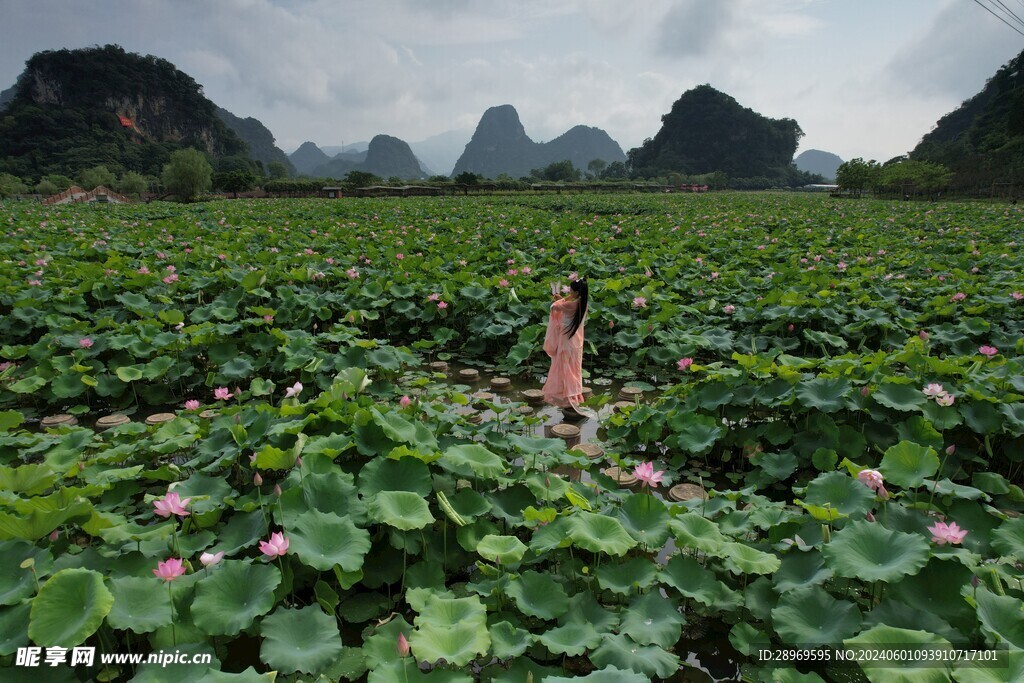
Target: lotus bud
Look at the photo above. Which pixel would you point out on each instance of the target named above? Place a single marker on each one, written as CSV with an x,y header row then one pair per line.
x,y
923,335
277,490
257,479
298,461
826,533
951,449
870,517
54,535
791,327
864,390
403,646
975,581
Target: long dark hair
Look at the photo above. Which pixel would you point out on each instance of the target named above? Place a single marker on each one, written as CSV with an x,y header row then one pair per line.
x,y
580,287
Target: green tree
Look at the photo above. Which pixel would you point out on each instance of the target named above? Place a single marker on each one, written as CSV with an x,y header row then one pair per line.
x,y
61,182
277,170
615,171
45,187
561,171
596,166
93,177
858,175
467,178
132,184
188,174
436,179
361,179
11,185
234,181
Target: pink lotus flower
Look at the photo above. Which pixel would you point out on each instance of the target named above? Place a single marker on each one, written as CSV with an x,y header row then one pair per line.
x,y
728,308
257,479
352,273
399,256
268,318
943,533
210,559
923,335
684,363
945,400
191,404
405,401
173,277
293,391
1017,295
85,343
933,390
639,302
442,305
171,504
988,351
403,646
222,393
959,296
276,546
503,283
645,473
169,570
874,481
143,271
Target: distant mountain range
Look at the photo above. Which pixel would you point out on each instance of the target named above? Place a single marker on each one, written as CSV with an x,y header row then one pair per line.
x,y
824,164
259,139
385,156
500,145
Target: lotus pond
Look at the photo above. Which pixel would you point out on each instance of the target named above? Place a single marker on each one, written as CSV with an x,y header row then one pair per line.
x,y
310,500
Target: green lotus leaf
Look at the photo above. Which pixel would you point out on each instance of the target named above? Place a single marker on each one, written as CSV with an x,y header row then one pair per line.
x,y
585,609
551,536
9,419
695,434
740,558
37,523
646,519
622,652
323,539
694,531
1014,414
811,616
28,480
14,627
747,639
472,460
790,675
907,464
840,492
404,474
929,591
608,674
882,637
825,394
981,416
28,385
572,639
303,639
129,373
273,458
69,608
453,629
407,669
1008,539
1001,617
141,605
869,551
628,576
1010,673
231,598
652,620
508,641
800,569
506,550
688,577
538,595
399,429
598,533
903,397
401,509
330,491
17,582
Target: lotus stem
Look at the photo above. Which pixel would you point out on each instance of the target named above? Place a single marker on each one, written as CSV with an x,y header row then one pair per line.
x,y
174,633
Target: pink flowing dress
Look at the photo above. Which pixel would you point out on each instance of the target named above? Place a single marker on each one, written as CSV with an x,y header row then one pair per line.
x,y
564,385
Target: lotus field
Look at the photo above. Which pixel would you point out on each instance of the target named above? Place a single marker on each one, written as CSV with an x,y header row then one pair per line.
x,y
309,497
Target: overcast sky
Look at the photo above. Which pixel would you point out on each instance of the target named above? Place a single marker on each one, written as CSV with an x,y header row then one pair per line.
x,y
862,77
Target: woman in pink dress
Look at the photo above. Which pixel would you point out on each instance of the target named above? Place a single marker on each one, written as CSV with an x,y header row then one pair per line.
x,y
564,344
